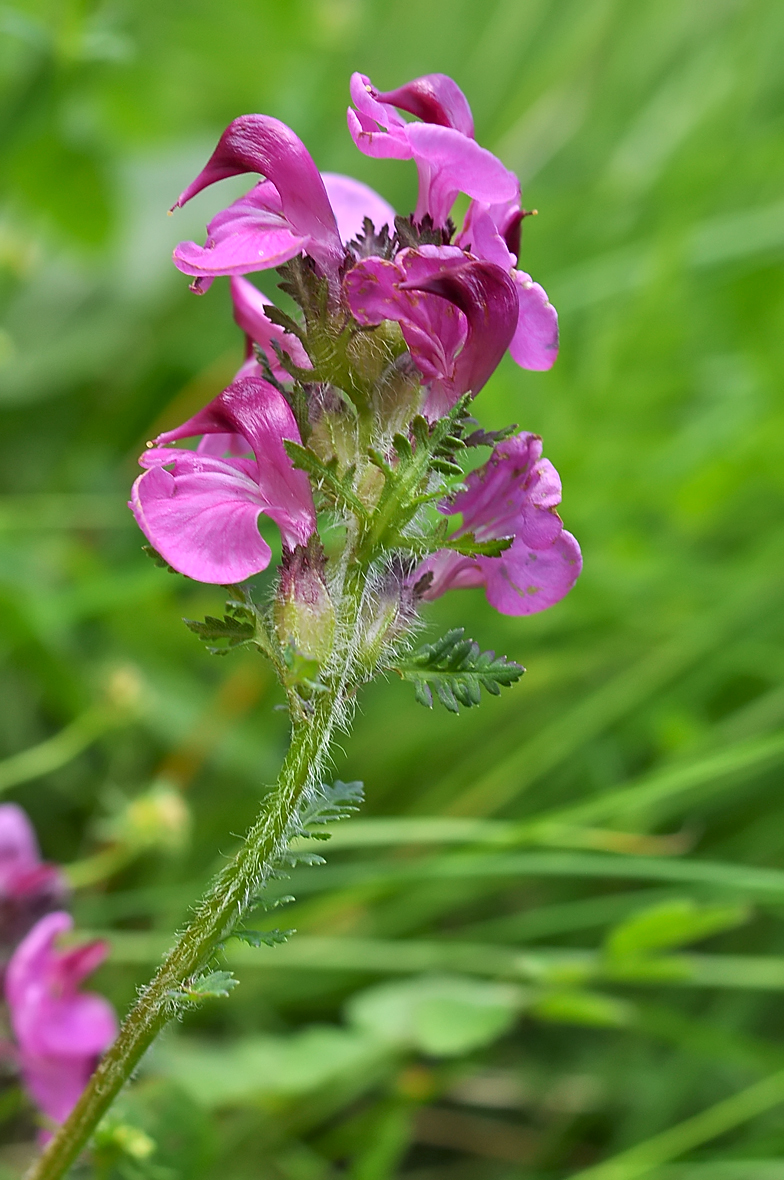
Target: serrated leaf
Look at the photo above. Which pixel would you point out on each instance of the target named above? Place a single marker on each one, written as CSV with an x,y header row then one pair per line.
x,y
235,631
455,670
215,984
470,547
284,321
259,938
160,561
489,438
326,475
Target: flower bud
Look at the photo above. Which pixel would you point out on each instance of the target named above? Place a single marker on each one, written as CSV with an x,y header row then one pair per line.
x,y
304,614
386,618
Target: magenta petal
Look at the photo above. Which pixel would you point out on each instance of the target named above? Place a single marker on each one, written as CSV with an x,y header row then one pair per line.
x,y
60,1031
352,201
447,571
259,143
18,843
381,145
82,1024
535,342
482,237
31,957
513,494
239,254
203,522
365,98
433,98
56,1083
434,329
486,295
454,164
523,581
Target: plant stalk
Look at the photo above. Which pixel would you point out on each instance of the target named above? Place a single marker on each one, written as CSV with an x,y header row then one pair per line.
x,y
216,918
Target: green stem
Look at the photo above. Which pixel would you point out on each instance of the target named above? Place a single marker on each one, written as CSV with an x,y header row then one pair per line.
x,y
217,916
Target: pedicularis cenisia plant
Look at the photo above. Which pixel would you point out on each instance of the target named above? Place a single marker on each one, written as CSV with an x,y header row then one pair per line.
x,y
349,426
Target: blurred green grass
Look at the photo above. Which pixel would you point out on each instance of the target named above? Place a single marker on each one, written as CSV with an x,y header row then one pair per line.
x,y
630,783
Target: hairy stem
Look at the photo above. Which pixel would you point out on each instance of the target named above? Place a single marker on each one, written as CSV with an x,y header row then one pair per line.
x,y
216,917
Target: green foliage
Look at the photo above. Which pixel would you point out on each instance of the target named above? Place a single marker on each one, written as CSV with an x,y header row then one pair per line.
x,y
671,924
326,476
470,547
214,985
455,669
649,137
236,632
263,937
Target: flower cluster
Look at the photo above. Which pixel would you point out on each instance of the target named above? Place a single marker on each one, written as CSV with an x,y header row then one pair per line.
x,y
404,319
59,1032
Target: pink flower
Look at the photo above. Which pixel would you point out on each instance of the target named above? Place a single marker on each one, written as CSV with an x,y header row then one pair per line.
x,y
457,315
202,515
29,887
448,159
287,214
59,1031
489,232
513,495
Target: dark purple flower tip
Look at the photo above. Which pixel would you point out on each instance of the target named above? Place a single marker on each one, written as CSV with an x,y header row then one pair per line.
x,y
487,296
433,98
259,143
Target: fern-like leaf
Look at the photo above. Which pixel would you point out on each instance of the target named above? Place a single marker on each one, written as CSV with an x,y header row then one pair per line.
x,y
327,477
236,632
455,669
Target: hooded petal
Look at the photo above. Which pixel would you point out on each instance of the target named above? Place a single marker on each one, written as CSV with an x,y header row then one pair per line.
x,y
251,234
259,143
253,408
202,517
433,98
535,342
352,201
486,296
523,581
448,159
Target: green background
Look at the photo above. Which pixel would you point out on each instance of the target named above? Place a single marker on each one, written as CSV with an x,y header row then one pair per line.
x,y
600,958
